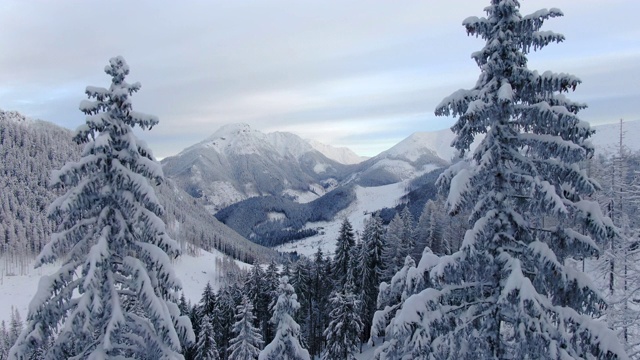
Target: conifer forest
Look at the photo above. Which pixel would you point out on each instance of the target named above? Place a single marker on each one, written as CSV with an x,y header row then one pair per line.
x,y
515,237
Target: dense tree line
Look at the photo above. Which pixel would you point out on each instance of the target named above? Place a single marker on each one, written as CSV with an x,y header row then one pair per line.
x,y
29,150
331,299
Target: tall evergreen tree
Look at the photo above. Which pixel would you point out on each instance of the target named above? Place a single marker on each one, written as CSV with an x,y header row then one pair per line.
x,y
5,344
208,302
430,230
407,236
206,349
393,251
270,293
114,247
342,257
301,281
507,292
228,299
372,270
343,333
321,287
247,341
286,343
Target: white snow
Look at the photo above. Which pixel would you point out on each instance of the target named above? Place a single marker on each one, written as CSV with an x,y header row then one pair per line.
x,y
607,137
276,215
301,197
193,272
223,193
369,200
320,168
342,155
420,143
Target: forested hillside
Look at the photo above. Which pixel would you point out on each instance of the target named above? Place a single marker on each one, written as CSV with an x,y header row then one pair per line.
x,y
31,149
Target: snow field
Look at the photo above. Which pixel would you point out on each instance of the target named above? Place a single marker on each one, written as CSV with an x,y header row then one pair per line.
x,y
194,272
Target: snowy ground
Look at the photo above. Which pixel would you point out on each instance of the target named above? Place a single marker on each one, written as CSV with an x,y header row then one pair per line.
x,y
194,272
369,200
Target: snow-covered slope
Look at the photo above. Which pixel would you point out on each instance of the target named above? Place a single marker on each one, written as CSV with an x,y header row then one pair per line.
x,y
418,144
238,162
193,271
369,200
342,155
414,156
607,137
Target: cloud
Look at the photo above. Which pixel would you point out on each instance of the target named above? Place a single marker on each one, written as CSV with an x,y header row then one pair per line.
x,y
358,73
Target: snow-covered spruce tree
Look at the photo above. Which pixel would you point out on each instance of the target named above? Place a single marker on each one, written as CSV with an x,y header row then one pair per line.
x,y
247,341
408,237
113,245
321,286
372,268
430,230
342,257
343,333
393,255
206,349
411,279
300,279
507,292
286,343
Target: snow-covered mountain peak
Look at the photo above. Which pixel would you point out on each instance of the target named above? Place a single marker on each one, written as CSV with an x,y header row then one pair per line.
x,y
231,130
237,138
342,155
437,143
288,144
243,139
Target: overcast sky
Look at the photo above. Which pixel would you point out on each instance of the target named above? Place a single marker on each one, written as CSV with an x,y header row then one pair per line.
x,y
363,74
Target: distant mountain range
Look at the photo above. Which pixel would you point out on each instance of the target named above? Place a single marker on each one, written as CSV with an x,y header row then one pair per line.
x,y
240,173
238,162
31,149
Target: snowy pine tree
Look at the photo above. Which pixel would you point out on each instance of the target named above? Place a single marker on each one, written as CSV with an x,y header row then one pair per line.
x,y
286,343
343,333
342,257
410,280
206,349
407,237
393,251
321,286
247,342
114,247
372,270
507,292
430,230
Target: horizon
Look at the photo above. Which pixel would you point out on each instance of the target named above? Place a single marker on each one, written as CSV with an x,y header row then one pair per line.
x,y
361,75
